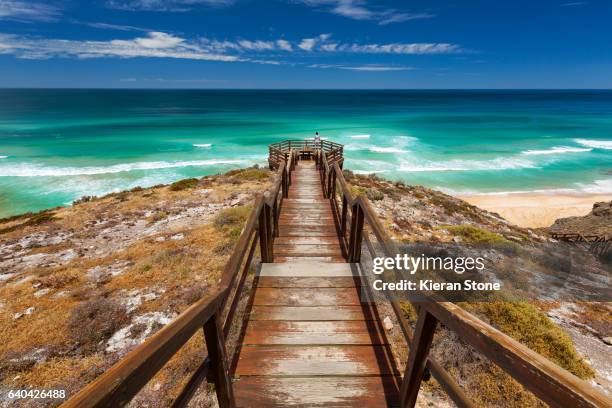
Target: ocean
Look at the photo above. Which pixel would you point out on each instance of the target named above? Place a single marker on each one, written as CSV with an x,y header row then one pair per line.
x,y
58,145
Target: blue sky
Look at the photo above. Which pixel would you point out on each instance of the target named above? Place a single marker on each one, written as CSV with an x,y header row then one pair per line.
x,y
306,43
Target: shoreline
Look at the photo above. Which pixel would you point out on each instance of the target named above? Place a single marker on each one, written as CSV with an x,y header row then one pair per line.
x,y
536,210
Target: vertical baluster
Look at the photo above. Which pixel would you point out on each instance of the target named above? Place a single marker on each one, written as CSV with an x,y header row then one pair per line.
x,y
215,345
417,359
344,216
263,234
356,233
270,233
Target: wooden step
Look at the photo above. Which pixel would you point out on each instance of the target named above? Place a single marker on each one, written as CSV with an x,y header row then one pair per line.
x,y
312,313
307,240
306,297
312,361
309,269
362,392
267,332
327,259
307,282
307,231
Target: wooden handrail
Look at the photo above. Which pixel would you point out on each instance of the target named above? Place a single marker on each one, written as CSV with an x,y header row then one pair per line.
x,y
213,313
549,382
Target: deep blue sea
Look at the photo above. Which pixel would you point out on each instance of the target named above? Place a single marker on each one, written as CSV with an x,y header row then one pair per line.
x,y
58,145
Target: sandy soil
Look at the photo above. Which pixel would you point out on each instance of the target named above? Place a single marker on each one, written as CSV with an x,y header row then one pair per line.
x,y
536,210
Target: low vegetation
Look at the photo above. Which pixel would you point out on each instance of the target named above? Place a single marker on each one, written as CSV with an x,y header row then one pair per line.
x,y
184,184
420,217
79,275
474,235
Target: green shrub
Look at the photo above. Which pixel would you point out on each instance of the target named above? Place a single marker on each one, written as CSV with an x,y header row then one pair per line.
x,y
95,321
531,327
374,194
475,235
252,174
184,184
33,219
231,220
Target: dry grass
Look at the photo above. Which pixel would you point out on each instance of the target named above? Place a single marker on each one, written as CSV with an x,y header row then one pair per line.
x,y
74,315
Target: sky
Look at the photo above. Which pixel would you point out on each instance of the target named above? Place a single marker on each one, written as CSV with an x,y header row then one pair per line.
x,y
306,44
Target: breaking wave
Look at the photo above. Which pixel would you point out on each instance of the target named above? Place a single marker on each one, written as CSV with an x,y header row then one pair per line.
x,y
557,150
202,145
360,137
377,149
595,144
36,170
501,163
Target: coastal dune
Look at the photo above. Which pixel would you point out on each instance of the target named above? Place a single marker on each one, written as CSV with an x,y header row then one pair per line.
x,y
533,210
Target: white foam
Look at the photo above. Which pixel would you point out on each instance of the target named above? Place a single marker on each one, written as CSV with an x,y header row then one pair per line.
x,y
377,149
603,186
203,145
3,157
360,136
36,170
370,171
596,144
501,163
557,150
597,187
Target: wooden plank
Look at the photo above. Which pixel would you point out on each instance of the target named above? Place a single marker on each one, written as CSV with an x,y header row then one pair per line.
x,y
307,240
307,231
267,332
316,313
329,259
312,268
313,361
300,282
307,250
362,392
310,218
306,297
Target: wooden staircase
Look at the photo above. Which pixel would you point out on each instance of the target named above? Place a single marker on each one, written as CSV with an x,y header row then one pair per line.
x,y
310,339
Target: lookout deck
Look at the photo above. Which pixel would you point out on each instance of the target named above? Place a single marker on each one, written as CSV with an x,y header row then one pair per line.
x,y
310,340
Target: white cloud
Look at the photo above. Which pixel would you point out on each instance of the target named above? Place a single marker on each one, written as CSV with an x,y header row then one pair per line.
x,y
363,68
395,17
256,45
402,48
27,11
154,45
165,5
360,10
107,26
284,45
308,44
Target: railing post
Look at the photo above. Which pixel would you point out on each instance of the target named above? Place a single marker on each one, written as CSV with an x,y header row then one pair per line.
x,y
344,216
356,233
332,192
285,182
215,344
270,222
417,359
264,241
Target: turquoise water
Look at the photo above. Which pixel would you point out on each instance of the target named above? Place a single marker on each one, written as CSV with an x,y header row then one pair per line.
x,y
58,145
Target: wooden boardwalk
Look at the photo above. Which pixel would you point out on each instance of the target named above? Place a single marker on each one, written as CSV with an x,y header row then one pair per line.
x,y
310,341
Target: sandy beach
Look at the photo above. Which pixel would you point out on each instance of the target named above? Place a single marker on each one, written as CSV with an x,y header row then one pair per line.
x,y
536,210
